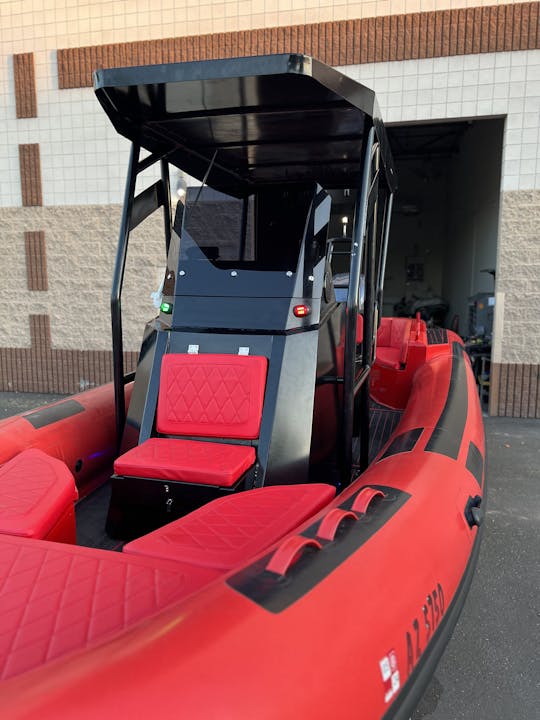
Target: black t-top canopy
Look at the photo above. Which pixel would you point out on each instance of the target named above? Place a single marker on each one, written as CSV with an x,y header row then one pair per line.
x,y
272,119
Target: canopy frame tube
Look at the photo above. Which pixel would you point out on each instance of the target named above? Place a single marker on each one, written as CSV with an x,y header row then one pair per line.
x,y
349,369
136,208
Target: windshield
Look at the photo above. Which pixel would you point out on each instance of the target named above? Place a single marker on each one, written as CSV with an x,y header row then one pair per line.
x,y
262,232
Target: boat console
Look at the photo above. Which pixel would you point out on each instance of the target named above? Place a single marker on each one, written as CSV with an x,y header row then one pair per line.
x,y
250,274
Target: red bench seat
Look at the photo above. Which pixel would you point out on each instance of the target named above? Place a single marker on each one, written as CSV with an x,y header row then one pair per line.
x,y
233,529
187,461
56,598
37,495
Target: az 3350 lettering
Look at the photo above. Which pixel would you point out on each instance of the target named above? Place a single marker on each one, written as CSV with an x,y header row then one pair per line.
x,y
429,617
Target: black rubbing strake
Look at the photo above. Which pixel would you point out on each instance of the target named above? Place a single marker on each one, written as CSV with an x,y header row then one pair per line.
x,y
475,463
276,593
448,433
51,414
403,443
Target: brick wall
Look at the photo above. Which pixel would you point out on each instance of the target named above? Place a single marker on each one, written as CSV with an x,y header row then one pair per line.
x,y
73,254
515,378
387,38
30,168
25,85
57,259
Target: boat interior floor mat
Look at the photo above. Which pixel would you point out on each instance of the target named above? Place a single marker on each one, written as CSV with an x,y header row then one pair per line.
x,y
90,514
382,423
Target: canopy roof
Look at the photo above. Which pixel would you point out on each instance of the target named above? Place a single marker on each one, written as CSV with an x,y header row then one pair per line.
x,y
271,119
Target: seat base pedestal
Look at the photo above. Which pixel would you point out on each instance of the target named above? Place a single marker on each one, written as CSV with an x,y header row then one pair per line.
x,y
141,505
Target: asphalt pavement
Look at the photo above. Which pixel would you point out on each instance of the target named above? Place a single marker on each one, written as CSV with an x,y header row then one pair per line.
x,y
491,668
13,403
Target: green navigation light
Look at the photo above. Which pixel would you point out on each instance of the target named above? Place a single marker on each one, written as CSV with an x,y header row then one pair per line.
x,y
166,308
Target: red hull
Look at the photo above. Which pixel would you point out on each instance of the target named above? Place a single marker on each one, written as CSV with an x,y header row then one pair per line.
x,y
81,432
344,644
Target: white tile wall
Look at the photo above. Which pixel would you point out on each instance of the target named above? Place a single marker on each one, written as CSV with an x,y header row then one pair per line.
x,y
84,161
64,23
468,86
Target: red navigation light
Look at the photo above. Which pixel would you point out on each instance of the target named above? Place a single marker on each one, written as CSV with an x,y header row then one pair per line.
x,y
301,310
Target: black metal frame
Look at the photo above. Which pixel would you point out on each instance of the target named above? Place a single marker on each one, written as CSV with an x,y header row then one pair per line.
x,y
373,170
364,240
135,210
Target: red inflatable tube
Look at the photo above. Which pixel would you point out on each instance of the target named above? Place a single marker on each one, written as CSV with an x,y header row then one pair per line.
x,y
343,631
79,430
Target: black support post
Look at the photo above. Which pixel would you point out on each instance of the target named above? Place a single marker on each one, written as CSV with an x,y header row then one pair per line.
x,y
349,370
167,212
116,292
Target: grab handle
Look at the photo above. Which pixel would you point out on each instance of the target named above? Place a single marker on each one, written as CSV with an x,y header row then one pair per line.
x,y
331,522
288,552
364,499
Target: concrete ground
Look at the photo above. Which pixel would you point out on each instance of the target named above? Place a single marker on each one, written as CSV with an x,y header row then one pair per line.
x,y
491,666
13,403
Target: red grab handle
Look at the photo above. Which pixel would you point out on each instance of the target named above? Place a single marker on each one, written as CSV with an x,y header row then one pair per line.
x,y
288,552
331,522
364,499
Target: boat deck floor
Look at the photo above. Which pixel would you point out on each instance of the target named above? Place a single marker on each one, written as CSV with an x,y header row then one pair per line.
x,y
90,514
91,511
382,423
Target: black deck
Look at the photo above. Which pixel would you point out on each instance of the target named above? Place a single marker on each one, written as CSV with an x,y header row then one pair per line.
x,y
382,423
90,514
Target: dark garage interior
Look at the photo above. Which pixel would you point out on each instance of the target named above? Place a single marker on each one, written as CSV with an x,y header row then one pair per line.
x,y
443,243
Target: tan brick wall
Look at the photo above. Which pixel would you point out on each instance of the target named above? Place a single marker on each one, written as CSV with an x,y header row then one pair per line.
x,y
515,390
36,260
80,247
518,279
515,373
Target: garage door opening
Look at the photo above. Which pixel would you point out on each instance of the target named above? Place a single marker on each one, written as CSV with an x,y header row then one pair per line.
x,y
443,244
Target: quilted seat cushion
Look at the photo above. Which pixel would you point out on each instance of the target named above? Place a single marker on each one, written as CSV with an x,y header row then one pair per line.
x,y
211,395
190,461
35,490
231,530
56,598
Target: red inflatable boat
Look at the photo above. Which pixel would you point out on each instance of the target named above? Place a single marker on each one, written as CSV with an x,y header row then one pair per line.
x,y
280,516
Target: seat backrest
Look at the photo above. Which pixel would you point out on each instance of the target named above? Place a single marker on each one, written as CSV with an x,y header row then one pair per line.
x,y
211,395
393,333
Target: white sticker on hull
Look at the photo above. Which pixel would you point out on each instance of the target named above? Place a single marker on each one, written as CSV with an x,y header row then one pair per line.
x,y
390,675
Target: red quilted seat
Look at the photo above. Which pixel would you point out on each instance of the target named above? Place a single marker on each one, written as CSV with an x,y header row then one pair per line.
x,y
211,395
187,461
56,599
393,341
231,530
203,396
37,494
